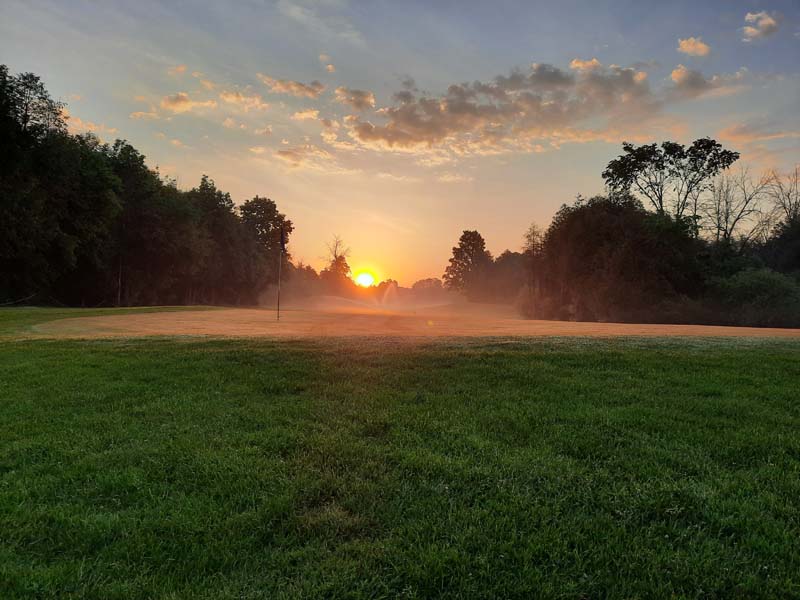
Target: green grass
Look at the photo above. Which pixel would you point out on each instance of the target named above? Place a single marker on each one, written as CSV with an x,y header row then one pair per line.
x,y
162,468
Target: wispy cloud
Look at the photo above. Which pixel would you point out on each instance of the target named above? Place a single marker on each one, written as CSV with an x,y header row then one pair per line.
x,y
244,101
292,88
319,19
176,70
305,115
181,102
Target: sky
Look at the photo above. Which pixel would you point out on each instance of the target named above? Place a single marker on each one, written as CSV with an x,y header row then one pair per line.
x,y
397,125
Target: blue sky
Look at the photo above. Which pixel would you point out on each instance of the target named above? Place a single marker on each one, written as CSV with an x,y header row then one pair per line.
x,y
203,87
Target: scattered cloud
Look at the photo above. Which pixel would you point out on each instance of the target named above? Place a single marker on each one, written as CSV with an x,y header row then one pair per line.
x,y
266,130
177,143
326,62
176,70
760,130
144,115
398,178
180,103
358,99
258,149
311,16
244,101
760,25
75,97
77,125
693,46
230,123
298,155
305,115
454,178
585,65
690,83
516,112
293,88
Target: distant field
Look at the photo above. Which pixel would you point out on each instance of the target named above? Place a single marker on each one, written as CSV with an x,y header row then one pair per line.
x,y
471,468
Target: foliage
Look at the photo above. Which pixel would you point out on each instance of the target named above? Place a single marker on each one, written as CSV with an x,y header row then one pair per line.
x,y
469,265
669,176
87,223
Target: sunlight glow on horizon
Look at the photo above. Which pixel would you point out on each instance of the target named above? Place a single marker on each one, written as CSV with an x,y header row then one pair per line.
x,y
364,279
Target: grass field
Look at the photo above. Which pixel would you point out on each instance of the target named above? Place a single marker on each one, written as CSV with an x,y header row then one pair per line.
x,y
569,468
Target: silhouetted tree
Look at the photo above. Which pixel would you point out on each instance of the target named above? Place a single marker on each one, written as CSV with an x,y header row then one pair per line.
x,y
469,265
671,176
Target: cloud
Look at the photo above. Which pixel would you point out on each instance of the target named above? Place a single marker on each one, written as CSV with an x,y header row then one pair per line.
x,y
585,65
326,61
397,178
244,101
293,88
180,103
266,130
77,125
755,131
307,14
693,46
516,112
761,25
300,155
690,83
177,143
258,149
230,123
145,115
176,70
305,115
358,99
330,135
75,97
454,178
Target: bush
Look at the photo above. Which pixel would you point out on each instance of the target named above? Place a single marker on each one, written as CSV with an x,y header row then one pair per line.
x,y
758,297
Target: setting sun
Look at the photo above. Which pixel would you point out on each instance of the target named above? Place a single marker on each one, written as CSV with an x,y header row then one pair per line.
x,y
364,279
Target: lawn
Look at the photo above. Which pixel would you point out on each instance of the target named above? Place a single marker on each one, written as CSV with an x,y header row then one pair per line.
x,y
196,468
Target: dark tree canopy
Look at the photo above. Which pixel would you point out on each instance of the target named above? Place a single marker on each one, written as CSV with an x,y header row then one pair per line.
x,y
469,263
671,176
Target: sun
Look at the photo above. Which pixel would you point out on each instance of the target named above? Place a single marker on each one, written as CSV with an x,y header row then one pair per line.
x,y
364,279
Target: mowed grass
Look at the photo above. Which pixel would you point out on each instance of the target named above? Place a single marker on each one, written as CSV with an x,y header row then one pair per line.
x,y
160,468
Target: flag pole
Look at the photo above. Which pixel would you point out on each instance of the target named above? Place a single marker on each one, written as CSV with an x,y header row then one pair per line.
x,y
281,250
280,261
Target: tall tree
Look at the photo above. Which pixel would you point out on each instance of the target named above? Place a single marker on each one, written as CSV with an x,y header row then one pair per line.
x,y
468,265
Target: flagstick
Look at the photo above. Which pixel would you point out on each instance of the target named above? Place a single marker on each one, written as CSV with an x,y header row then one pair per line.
x,y
280,261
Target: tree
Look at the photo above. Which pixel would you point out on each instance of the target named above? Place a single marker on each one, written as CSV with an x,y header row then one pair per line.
x,y
468,265
784,192
266,224
336,276
607,258
735,202
671,177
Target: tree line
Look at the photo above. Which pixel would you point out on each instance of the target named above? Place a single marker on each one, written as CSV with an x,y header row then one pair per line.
x,y
90,224
678,238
